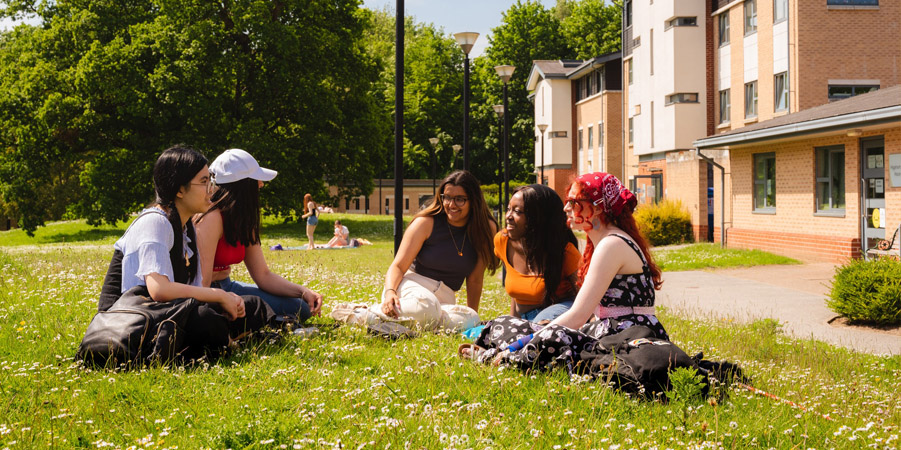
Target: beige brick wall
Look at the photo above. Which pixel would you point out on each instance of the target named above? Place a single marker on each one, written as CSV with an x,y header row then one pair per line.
x,y
613,133
795,229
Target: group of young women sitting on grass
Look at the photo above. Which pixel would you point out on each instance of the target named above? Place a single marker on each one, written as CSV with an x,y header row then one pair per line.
x,y
207,218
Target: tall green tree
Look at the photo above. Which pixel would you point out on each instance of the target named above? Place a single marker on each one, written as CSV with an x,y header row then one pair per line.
x,y
433,86
528,32
592,28
92,95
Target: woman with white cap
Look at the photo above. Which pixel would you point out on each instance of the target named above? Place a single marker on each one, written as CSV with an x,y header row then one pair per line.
x,y
229,233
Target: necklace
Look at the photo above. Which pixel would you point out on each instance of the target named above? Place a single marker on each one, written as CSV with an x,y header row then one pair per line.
x,y
460,248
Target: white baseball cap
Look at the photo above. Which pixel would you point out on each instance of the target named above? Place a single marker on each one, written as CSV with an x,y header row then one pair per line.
x,y
235,164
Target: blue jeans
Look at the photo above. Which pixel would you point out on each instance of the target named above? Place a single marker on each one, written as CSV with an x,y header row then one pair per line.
x,y
282,306
550,313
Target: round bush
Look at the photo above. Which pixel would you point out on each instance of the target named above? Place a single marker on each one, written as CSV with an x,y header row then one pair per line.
x,y
868,291
665,222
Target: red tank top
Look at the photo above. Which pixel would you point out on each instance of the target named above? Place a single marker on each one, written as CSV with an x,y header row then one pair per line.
x,y
227,255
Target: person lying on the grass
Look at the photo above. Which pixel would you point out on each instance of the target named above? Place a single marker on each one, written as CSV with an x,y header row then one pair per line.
x,y
341,234
447,243
618,281
540,253
159,252
229,233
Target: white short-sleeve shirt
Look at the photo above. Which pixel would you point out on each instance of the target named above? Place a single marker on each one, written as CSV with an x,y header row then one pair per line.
x,y
145,249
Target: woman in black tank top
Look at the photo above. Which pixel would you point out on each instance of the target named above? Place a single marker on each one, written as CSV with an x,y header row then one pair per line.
x,y
450,242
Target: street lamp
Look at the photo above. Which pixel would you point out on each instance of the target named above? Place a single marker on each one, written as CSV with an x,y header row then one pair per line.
x,y
434,142
542,127
466,41
505,73
499,110
456,148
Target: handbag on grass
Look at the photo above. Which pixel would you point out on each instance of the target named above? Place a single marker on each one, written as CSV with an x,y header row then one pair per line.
x,y
137,330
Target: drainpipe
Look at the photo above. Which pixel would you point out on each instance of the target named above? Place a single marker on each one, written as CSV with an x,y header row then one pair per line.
x,y
722,195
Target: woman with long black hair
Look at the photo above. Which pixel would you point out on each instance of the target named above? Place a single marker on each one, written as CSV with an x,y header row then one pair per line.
x,y
229,233
540,253
158,255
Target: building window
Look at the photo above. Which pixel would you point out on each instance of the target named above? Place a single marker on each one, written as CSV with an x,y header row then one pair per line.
x,y
751,100
781,91
406,204
636,42
839,92
831,179
631,129
765,182
631,63
367,203
580,139
651,59
600,134
853,2
357,204
590,138
628,8
724,28
682,22
750,16
725,106
780,10
685,97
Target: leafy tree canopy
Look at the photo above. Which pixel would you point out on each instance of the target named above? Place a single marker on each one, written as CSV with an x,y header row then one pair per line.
x,y
90,97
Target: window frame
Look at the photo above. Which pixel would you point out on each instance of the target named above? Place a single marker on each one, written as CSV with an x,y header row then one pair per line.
x,y
776,9
852,2
766,208
590,138
682,97
681,21
854,87
828,180
631,129
783,94
725,111
724,30
751,101
750,20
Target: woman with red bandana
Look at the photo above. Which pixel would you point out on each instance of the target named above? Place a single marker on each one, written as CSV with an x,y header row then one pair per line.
x,y
617,273
618,279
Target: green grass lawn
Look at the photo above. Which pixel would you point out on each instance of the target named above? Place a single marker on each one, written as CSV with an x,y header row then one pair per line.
x,y
345,389
707,255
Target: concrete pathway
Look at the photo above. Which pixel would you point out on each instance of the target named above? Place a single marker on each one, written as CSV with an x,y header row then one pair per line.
x,y
793,295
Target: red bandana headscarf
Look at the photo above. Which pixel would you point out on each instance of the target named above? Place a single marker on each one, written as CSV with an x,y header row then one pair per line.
x,y
606,191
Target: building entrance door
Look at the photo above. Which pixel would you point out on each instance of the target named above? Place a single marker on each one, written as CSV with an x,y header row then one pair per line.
x,y
872,180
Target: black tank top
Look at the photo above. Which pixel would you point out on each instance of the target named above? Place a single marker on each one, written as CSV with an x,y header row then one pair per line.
x,y
440,259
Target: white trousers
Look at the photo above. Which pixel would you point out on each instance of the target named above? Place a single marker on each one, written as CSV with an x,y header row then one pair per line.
x,y
431,305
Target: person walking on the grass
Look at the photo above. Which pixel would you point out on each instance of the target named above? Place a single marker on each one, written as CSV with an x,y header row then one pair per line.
x,y
229,233
311,213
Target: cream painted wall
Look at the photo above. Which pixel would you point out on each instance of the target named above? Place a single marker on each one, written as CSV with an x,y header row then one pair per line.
x,y
553,98
780,47
750,58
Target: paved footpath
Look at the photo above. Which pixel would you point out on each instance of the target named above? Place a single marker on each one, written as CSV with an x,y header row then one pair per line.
x,y
793,295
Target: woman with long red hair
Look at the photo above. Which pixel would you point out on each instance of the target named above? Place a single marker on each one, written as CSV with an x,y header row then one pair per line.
x,y
617,273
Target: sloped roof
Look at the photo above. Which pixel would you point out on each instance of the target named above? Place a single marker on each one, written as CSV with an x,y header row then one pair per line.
x,y
564,68
883,105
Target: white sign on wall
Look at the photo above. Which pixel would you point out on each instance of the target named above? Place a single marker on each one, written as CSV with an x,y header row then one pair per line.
x,y
894,167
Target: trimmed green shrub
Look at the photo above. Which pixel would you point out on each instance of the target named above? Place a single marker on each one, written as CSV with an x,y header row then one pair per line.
x,y
665,222
868,291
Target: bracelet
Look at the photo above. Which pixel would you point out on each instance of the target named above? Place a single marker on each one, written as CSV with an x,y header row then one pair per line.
x,y
392,290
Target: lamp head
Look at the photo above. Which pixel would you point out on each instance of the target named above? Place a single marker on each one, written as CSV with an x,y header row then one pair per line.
x,y
456,147
505,72
433,141
466,40
542,127
499,110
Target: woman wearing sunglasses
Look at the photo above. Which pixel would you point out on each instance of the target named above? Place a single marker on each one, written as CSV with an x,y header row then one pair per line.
x,y
448,243
229,233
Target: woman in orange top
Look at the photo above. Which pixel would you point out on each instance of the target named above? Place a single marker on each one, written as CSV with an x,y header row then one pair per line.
x,y
540,253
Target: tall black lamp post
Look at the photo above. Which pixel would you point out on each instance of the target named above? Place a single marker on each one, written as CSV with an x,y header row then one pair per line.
x,y
542,127
398,124
499,110
505,73
434,142
466,41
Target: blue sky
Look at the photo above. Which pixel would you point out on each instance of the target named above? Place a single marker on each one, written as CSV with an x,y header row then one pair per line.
x,y
457,15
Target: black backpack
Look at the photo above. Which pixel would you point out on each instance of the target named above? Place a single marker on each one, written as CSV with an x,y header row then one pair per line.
x,y
636,361
137,330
